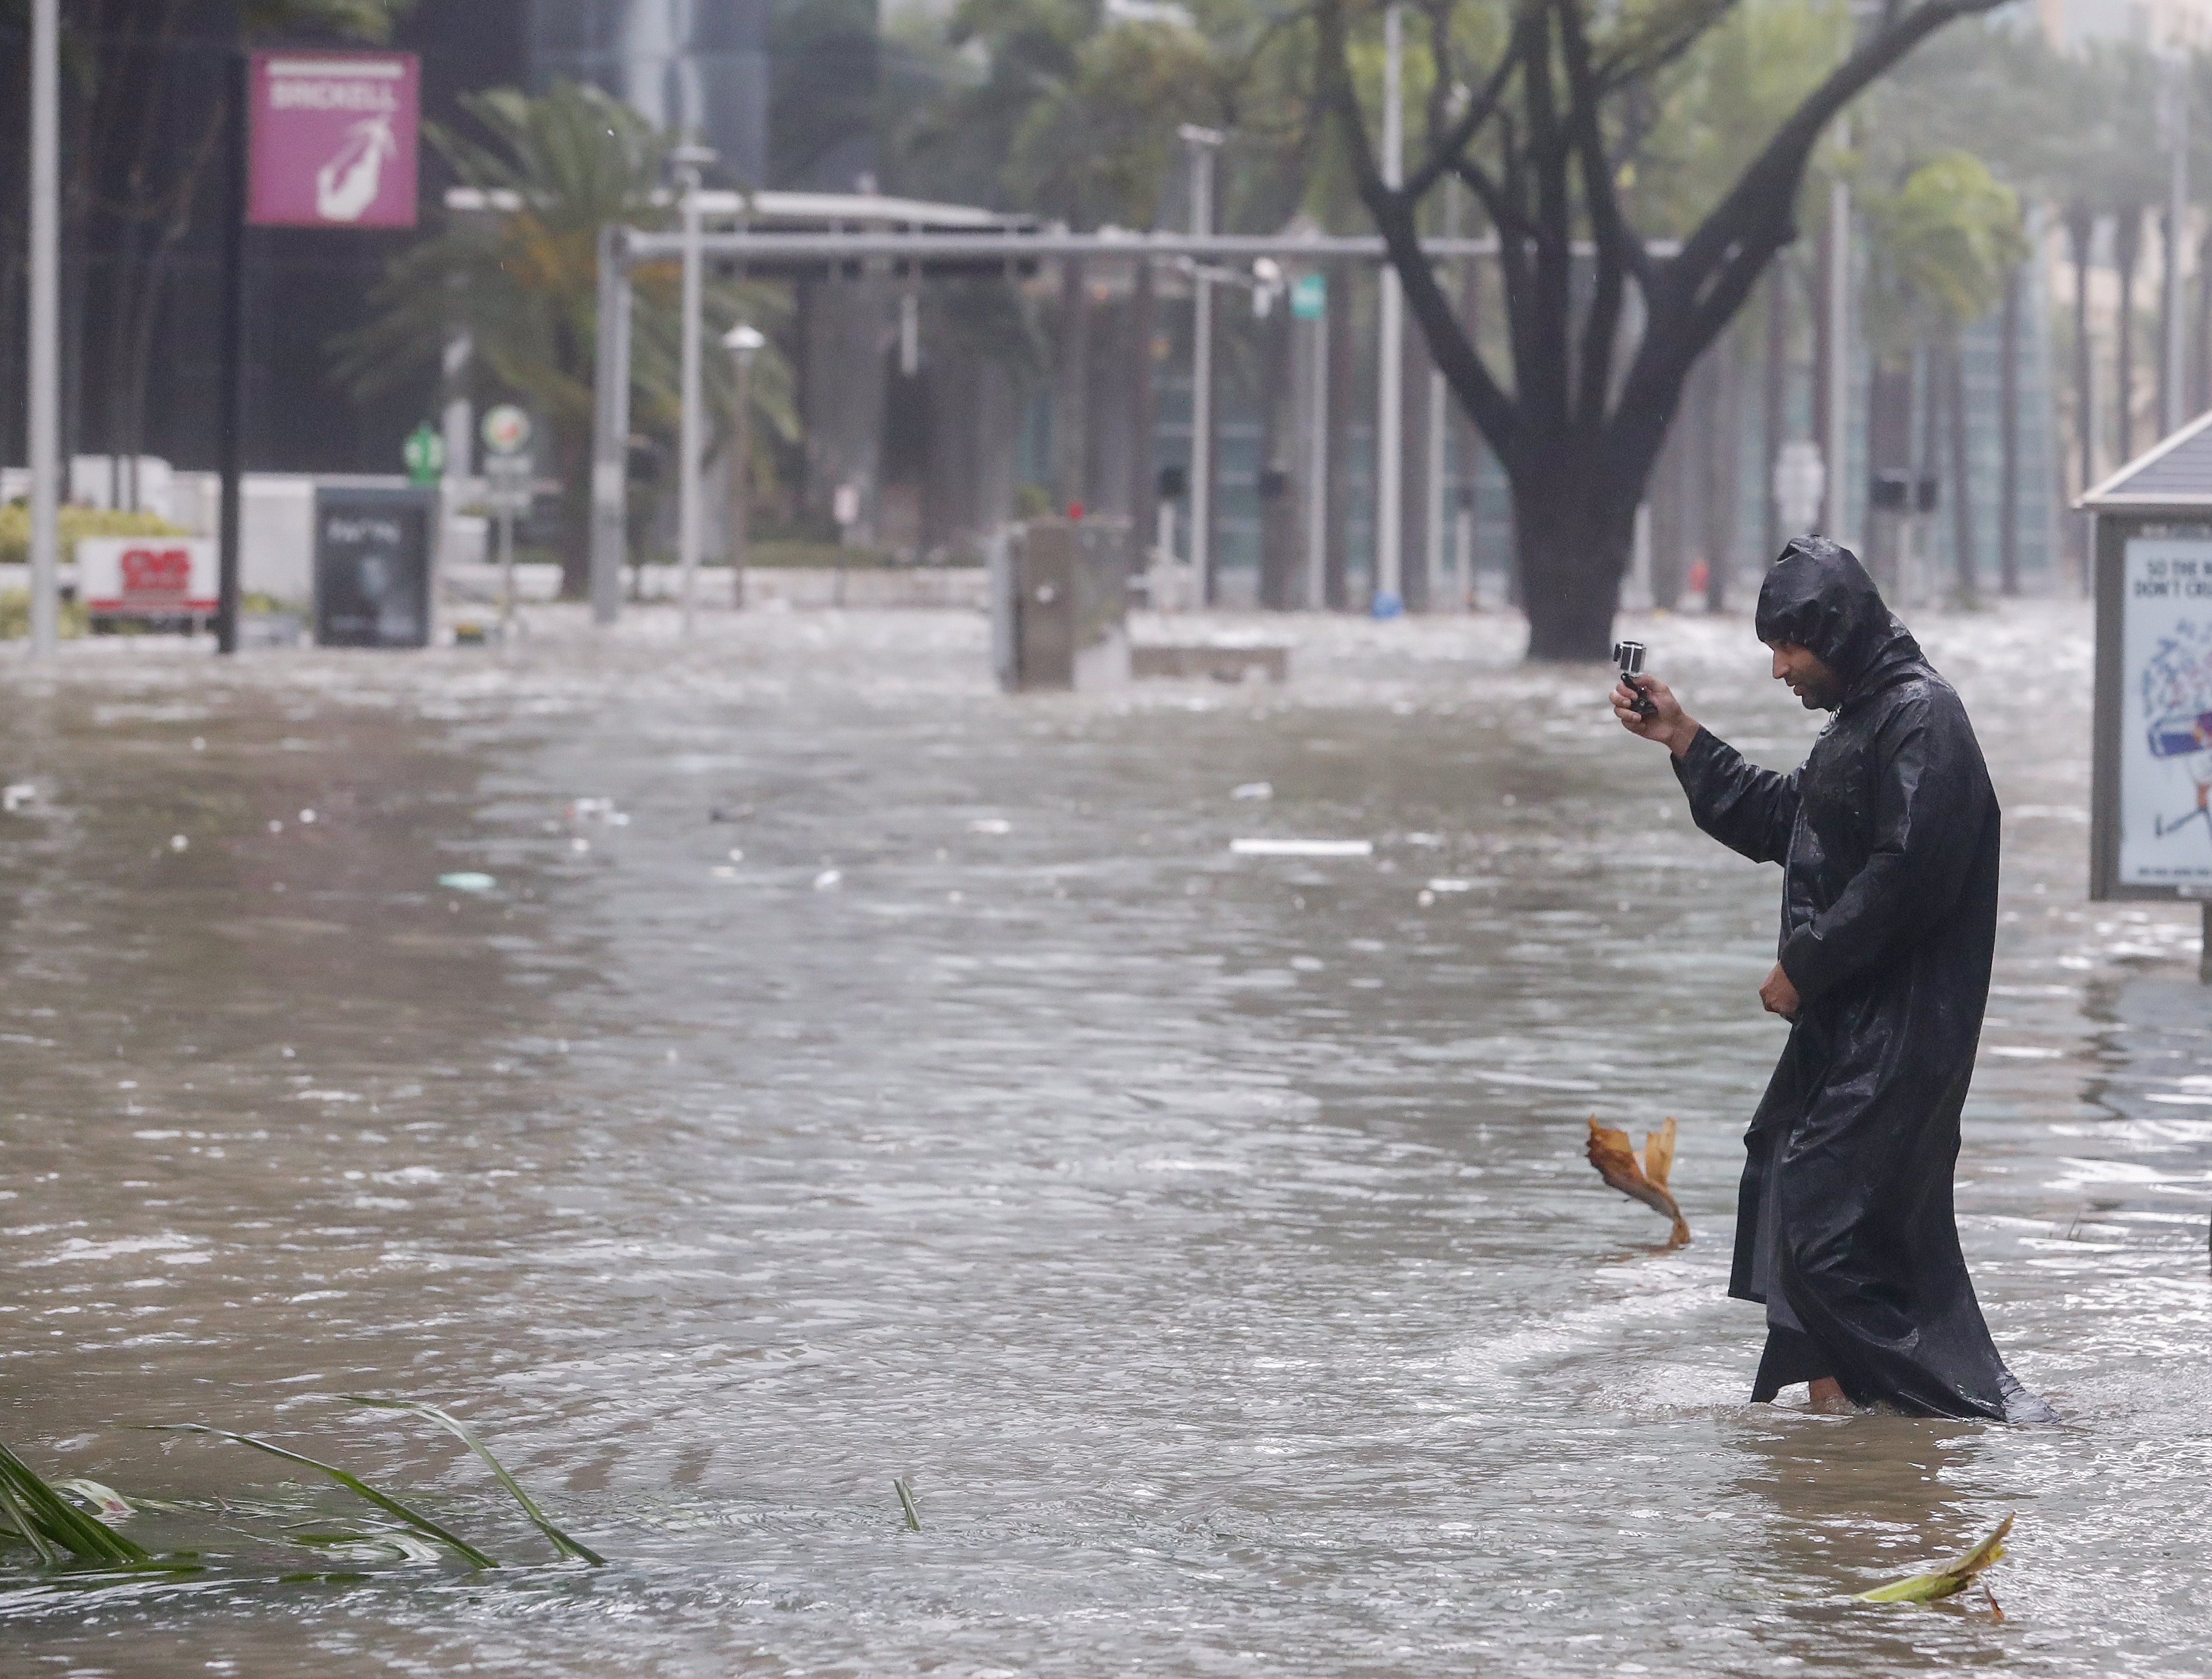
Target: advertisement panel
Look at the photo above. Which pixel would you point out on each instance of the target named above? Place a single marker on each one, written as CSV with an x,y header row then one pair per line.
x,y
373,567
335,139
2164,725
147,577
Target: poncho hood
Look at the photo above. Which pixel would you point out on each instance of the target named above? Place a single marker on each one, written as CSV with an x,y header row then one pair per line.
x,y
1819,596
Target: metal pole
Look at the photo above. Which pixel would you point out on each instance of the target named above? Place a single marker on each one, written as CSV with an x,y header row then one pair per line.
x,y
44,394
611,431
505,573
1317,469
1202,142
1389,427
2177,209
689,434
744,342
1839,362
230,438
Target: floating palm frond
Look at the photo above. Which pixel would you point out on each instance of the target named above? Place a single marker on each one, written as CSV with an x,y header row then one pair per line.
x,y
352,1483
1616,1163
907,1504
562,1542
55,1528
1954,1576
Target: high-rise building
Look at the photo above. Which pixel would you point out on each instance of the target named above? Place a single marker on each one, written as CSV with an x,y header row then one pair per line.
x,y
698,66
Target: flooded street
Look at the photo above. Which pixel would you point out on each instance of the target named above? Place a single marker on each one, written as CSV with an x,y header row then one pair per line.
x,y
854,1074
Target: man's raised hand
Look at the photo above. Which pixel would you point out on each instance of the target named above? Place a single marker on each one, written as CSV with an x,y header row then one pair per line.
x,y
1669,724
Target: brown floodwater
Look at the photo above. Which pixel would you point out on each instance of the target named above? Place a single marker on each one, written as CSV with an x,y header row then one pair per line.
x,y
853,1073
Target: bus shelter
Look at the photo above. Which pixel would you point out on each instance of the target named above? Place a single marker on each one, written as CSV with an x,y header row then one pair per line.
x,y
2150,834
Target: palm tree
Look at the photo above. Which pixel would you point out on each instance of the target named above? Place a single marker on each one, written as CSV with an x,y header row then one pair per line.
x,y
524,285
1943,248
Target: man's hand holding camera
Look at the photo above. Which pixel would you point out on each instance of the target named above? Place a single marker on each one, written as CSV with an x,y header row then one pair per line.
x,y
1647,706
1663,720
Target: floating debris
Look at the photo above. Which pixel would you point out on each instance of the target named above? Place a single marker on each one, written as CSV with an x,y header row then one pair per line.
x,y
55,1528
906,1503
1953,1578
1616,1163
1450,883
178,843
467,880
828,881
1301,848
353,1483
15,795
1253,790
561,1541
990,824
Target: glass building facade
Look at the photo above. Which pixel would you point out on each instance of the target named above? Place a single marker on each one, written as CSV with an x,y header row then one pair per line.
x,y
698,65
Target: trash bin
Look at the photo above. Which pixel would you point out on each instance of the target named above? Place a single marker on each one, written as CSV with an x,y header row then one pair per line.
x,y
373,567
1060,604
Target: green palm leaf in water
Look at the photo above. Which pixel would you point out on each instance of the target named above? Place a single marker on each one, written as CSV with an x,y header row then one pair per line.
x,y
53,1527
1954,1576
352,1483
562,1542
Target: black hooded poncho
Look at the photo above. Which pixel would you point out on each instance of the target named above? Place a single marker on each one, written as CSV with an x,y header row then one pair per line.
x,y
1888,838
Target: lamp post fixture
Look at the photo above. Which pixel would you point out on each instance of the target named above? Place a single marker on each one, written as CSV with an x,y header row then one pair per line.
x,y
744,342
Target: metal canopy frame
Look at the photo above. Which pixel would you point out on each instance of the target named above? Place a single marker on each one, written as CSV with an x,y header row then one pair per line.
x,y
919,252
622,249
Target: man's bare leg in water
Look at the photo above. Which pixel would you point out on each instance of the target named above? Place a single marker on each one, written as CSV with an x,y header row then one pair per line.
x,y
1824,1390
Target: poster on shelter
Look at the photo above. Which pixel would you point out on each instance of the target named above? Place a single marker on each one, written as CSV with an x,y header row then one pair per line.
x,y
335,139
2166,714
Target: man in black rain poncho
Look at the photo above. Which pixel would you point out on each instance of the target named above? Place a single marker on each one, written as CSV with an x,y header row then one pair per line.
x,y
1887,837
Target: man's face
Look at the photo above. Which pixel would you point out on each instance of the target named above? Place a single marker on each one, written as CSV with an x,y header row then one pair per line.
x,y
1808,675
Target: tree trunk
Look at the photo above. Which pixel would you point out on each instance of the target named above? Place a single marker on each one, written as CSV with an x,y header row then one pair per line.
x,y
2080,229
1962,496
1676,496
1414,366
2008,435
1279,551
1471,444
2200,387
2127,246
572,448
1673,498
1774,415
1574,525
1831,460
1724,459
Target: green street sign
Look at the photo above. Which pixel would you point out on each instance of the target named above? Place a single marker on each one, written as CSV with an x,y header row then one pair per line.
x,y
424,452
1310,296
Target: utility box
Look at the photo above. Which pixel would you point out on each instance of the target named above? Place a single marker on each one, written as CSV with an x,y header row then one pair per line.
x,y
373,554
1060,605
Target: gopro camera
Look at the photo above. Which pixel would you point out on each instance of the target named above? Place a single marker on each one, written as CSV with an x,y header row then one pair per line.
x,y
1629,655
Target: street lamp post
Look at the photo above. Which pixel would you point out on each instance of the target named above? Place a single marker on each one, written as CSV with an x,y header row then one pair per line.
x,y
1204,143
44,394
744,342
688,161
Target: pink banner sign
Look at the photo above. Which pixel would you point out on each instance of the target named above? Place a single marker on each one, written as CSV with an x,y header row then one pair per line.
x,y
335,139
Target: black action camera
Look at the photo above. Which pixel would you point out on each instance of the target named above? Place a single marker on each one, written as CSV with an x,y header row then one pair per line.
x,y
1629,655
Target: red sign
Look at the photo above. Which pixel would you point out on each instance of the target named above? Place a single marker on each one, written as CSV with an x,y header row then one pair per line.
x,y
335,139
157,577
